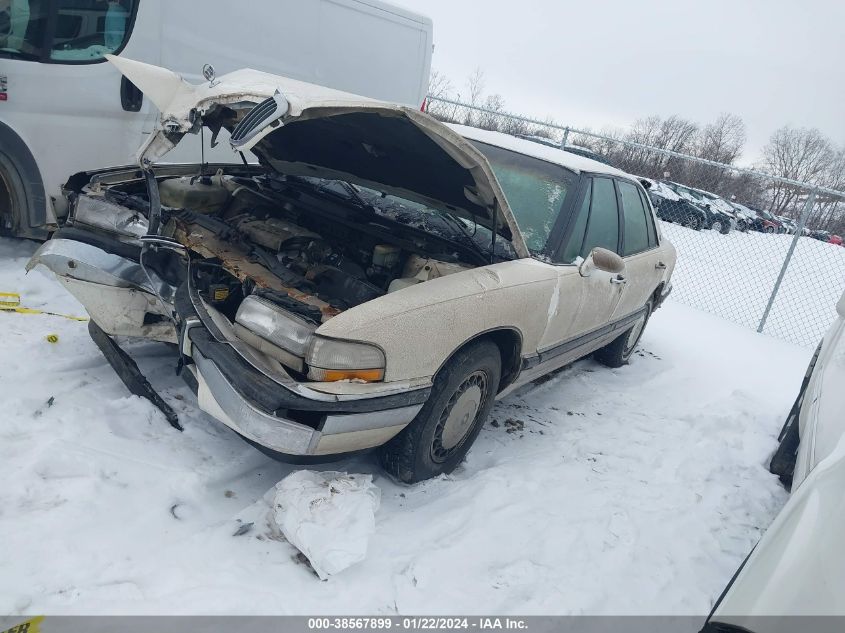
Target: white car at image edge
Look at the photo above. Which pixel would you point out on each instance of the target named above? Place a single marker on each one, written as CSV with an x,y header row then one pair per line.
x,y
798,567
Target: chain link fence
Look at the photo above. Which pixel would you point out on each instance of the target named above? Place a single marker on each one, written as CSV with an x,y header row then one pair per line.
x,y
748,245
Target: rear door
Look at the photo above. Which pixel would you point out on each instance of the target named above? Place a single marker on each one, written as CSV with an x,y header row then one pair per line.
x,y
640,250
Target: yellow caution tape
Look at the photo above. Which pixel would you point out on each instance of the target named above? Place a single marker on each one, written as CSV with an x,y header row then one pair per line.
x,y
11,302
52,338
32,625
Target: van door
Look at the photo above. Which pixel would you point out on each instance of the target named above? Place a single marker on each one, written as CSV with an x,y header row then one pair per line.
x,y
640,250
69,106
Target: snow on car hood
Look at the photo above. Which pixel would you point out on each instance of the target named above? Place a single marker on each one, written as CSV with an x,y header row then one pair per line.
x,y
303,129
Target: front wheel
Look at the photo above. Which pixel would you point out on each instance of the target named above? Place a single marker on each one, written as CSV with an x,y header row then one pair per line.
x,y
618,352
437,440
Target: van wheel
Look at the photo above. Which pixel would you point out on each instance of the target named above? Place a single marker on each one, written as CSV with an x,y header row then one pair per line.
x,y
12,197
617,352
437,440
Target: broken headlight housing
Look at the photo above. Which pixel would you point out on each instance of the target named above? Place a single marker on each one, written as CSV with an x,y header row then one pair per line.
x,y
330,360
291,340
100,213
274,331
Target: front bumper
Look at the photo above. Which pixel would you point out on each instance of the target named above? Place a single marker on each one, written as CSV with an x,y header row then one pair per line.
x,y
276,412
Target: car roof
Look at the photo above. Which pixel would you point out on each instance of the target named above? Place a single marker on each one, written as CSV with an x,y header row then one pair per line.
x,y
573,162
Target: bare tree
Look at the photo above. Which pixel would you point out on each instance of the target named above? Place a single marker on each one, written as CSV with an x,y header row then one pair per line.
x,y
802,154
475,86
723,140
439,85
488,120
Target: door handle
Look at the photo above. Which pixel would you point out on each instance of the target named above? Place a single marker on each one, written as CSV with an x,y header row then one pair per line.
x,y
660,266
619,280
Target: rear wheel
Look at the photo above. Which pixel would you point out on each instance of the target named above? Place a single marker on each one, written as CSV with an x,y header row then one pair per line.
x,y
716,226
440,436
770,229
618,352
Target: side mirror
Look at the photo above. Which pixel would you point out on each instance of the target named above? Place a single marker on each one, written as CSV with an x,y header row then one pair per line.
x,y
601,259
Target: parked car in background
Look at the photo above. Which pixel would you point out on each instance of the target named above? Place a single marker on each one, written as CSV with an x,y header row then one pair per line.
x,y
671,207
788,226
798,567
63,110
745,217
766,222
716,219
836,239
364,286
822,236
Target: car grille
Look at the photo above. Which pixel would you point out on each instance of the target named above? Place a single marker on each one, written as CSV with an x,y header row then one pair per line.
x,y
258,115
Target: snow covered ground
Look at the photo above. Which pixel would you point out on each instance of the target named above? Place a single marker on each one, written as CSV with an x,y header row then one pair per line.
x,y
637,490
733,276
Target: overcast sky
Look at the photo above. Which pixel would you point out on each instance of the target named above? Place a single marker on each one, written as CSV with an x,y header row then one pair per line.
x,y
590,63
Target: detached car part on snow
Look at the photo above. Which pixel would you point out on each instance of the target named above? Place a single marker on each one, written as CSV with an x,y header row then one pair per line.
x,y
367,284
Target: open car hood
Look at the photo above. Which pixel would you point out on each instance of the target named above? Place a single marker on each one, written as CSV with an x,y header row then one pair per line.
x,y
303,129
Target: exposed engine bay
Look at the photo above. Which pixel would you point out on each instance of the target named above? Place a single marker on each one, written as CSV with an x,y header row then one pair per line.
x,y
313,247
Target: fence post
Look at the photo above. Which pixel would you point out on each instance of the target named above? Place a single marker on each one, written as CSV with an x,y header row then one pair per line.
x,y
805,214
565,138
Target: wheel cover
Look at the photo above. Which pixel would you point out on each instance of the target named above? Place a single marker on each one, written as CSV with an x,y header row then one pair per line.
x,y
716,226
458,416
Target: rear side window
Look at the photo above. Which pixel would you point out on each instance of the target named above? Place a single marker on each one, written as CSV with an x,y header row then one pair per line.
x,y
636,228
603,225
65,31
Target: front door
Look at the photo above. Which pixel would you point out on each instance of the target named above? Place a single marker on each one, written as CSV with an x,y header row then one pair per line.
x,y
585,304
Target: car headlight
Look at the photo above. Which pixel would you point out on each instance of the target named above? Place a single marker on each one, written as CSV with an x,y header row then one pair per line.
x,y
275,325
329,360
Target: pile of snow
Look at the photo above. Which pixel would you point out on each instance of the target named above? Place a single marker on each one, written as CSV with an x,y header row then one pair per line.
x,y
327,516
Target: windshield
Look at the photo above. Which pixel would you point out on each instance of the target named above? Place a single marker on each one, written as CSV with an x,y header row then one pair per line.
x,y
536,191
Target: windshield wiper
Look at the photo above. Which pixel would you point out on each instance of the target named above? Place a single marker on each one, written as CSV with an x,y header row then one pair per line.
x,y
458,224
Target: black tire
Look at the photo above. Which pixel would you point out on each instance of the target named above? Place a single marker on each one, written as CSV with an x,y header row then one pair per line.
x,y
12,197
742,226
423,449
726,228
619,350
770,229
783,460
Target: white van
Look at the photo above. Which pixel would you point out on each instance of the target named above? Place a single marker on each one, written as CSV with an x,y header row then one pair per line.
x,y
63,110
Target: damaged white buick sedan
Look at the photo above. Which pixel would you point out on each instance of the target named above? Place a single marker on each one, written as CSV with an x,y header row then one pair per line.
x,y
377,280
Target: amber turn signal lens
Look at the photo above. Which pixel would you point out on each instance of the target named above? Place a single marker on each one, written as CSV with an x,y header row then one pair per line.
x,y
333,375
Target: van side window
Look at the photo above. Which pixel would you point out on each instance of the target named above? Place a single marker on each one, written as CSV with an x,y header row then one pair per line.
x,y
603,225
68,31
636,229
